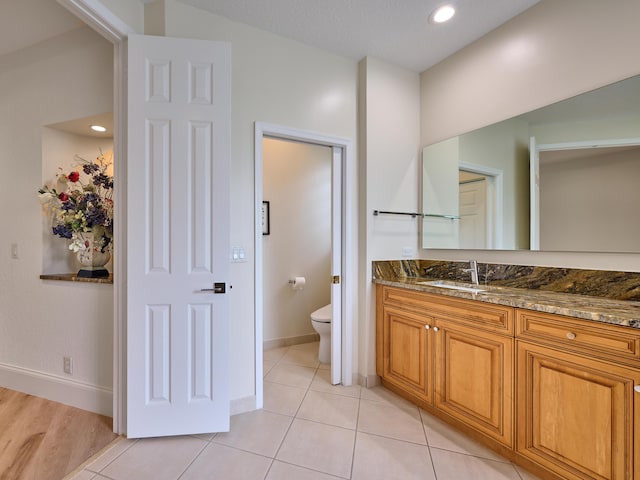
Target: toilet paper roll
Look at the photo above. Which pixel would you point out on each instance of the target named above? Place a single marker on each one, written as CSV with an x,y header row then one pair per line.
x,y
298,283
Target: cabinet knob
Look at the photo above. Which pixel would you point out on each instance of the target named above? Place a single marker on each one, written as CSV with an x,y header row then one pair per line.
x,y
571,335
427,326
435,329
637,388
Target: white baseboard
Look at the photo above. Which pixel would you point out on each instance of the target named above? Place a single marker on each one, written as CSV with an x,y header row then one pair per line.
x,y
287,341
367,381
58,389
243,405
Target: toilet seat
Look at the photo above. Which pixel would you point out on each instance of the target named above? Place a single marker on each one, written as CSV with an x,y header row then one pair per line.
x,y
322,315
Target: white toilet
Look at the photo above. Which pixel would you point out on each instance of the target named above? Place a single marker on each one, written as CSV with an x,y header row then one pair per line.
x,y
321,321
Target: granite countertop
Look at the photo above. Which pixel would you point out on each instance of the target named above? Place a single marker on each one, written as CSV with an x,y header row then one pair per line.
x,y
618,312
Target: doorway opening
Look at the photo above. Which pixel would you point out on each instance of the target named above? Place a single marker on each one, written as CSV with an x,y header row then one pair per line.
x,y
480,204
341,279
296,238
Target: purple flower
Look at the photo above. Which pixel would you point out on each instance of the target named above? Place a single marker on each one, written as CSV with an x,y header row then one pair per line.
x,y
90,168
62,230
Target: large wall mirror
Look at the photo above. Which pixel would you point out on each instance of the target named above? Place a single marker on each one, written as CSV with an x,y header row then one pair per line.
x,y
565,177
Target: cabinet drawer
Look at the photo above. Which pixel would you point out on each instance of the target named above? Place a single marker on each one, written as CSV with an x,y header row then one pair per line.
x,y
489,317
593,338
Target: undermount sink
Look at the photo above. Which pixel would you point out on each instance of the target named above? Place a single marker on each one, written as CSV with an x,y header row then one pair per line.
x,y
452,286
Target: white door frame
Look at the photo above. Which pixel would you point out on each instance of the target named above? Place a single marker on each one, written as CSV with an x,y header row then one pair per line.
x,y
104,22
349,197
495,199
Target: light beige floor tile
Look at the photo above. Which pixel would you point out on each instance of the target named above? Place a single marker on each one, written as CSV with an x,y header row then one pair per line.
x,y
259,432
292,375
324,366
525,475
456,466
381,458
302,357
157,458
382,395
275,354
322,383
220,461
110,455
329,408
282,398
443,436
285,471
320,447
205,436
266,367
401,423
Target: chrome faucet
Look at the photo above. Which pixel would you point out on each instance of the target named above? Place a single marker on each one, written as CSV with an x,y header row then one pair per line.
x,y
473,270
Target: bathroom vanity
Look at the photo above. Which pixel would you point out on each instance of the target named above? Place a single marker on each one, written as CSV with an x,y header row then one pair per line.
x,y
546,379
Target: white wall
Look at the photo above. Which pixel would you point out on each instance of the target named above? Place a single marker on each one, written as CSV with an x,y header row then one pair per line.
x,y
278,81
297,184
553,51
390,168
129,11
63,78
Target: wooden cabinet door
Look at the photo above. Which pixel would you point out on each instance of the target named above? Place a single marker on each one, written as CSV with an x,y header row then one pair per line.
x,y
577,416
474,378
406,352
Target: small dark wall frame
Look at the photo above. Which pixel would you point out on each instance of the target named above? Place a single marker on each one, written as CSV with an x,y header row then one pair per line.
x,y
266,222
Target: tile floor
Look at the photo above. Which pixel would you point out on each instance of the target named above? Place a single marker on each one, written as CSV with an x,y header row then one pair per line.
x,y
311,430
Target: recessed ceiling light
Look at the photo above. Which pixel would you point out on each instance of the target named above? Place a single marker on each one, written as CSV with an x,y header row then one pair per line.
x,y
442,14
98,128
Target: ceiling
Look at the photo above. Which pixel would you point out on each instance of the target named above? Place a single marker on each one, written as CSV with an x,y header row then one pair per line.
x,y
396,31
82,126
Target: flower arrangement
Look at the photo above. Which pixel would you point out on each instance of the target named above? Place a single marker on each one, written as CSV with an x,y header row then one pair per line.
x,y
81,204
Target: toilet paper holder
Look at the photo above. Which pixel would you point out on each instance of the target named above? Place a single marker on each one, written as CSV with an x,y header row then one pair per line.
x,y
298,283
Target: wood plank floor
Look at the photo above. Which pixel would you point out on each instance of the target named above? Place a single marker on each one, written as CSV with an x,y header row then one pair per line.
x,y
45,440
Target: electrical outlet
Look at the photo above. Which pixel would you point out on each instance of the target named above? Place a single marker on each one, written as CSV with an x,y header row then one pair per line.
x,y
68,365
14,250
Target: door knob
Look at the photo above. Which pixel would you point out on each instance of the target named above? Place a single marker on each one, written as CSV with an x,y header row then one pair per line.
x,y
218,287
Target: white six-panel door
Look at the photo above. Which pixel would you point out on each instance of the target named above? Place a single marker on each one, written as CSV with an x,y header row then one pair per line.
x,y
179,110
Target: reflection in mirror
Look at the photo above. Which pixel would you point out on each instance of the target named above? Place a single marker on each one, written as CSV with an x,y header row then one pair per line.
x,y
500,154
589,198
579,203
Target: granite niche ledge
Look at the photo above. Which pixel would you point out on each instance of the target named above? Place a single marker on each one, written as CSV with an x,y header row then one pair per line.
x,y
72,277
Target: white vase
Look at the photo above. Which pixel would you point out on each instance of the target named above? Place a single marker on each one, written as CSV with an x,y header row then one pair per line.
x,y
92,259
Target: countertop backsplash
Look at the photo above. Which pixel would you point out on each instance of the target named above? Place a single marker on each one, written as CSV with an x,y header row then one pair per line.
x,y
595,283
